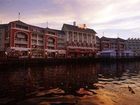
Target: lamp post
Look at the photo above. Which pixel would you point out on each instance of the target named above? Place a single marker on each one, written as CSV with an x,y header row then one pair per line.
x,y
6,54
56,54
46,54
29,54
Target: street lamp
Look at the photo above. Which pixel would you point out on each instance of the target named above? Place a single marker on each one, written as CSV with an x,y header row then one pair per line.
x,y
6,54
46,54
56,54
29,54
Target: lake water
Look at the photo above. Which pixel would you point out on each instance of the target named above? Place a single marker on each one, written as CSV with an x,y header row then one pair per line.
x,y
69,84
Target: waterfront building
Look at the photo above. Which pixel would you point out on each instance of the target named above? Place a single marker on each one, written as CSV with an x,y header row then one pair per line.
x,y
61,43
108,53
23,40
80,40
16,38
112,45
3,28
133,44
51,39
19,39
36,47
98,44
2,32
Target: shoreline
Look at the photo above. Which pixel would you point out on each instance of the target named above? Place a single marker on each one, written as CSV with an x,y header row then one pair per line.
x,y
20,62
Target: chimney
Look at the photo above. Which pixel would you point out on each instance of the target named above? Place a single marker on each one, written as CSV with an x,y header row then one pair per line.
x,y
84,25
74,23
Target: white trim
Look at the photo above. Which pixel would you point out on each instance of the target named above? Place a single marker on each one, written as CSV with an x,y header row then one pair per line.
x,y
20,29
62,51
20,49
81,48
51,50
51,35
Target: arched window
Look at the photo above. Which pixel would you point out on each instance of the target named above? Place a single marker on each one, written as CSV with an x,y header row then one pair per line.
x,y
21,39
21,36
51,43
51,40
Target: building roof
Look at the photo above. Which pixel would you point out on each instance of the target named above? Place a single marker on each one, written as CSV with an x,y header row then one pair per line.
x,y
23,23
60,32
97,37
76,28
106,38
49,29
3,25
18,21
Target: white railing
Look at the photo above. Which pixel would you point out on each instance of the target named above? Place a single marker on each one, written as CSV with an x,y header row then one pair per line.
x,y
21,42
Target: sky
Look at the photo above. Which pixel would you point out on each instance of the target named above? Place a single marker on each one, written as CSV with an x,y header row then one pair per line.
x,y
110,18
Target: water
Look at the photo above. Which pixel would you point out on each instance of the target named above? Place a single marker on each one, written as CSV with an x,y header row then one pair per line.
x,y
18,84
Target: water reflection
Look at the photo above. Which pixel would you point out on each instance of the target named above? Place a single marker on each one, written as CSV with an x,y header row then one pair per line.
x,y
18,82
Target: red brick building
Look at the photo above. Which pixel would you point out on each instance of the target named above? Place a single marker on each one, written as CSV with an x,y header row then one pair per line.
x,y
22,40
18,39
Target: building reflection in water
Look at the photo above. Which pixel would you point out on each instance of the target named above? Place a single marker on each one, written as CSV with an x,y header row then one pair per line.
x,y
20,81
68,78
111,70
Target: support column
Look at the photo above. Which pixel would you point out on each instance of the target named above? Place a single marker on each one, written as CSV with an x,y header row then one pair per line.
x,y
82,37
78,37
73,36
46,40
30,40
55,42
12,38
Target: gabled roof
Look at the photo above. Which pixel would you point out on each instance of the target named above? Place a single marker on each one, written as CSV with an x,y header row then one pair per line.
x,y
76,28
21,22
18,21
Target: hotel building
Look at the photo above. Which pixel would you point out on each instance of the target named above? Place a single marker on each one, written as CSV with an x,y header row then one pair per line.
x,y
98,44
18,39
133,44
80,40
117,45
61,43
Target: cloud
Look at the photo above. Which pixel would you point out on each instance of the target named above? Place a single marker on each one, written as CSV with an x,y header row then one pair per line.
x,y
112,16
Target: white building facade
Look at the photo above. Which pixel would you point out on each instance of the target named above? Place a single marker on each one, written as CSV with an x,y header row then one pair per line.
x,y
80,41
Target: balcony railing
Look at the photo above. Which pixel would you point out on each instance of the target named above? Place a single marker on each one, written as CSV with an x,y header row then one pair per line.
x,y
34,38
21,42
51,45
20,36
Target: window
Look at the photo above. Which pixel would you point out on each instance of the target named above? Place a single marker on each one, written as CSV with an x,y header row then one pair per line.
x,y
22,26
52,33
80,37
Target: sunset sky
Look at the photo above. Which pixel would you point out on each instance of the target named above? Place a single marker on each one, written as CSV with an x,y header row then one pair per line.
x,y
112,18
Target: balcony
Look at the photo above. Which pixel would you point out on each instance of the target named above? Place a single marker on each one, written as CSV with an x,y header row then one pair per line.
x,y
7,41
34,38
40,44
51,45
21,42
20,36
